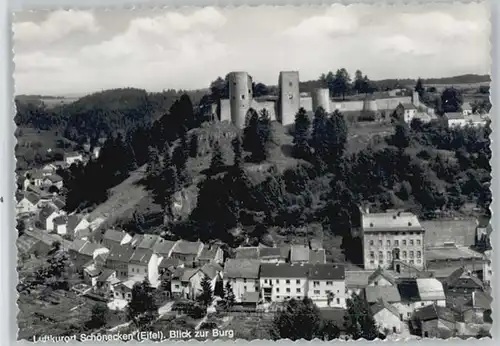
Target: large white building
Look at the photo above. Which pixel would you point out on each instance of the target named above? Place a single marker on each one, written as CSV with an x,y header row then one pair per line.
x,y
391,238
242,275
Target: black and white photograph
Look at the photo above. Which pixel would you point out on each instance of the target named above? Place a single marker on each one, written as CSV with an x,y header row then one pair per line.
x,y
253,173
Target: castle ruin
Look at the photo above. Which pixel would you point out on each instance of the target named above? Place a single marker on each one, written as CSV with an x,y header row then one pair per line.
x,y
284,107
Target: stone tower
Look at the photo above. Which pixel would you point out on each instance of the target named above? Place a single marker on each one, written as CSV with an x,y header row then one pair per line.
x,y
415,99
240,97
370,109
321,98
289,101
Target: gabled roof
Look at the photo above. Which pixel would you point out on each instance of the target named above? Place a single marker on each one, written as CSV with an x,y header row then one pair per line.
x,y
73,221
32,197
380,272
388,293
54,178
77,244
208,252
184,274
121,253
169,262
186,247
141,256
430,289
408,106
317,256
284,270
211,269
433,312
105,274
247,252
36,174
114,235
58,202
382,304
163,247
481,300
46,212
299,253
145,241
453,277
89,248
326,271
60,220
242,268
390,221
270,252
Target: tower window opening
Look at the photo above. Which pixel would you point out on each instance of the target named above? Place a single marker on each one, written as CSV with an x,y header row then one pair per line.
x,y
290,83
290,96
242,97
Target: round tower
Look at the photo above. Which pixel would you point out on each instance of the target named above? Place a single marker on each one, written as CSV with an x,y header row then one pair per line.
x,y
240,97
321,98
370,109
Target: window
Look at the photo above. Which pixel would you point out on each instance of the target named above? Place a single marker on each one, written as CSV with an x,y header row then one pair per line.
x,y
265,281
421,304
242,97
404,254
396,242
372,262
145,270
411,242
245,281
419,261
298,282
245,288
288,282
298,290
316,292
256,282
419,254
380,242
412,262
288,290
404,242
388,243
177,286
411,254
418,241
372,254
316,283
388,254
329,283
290,84
277,281
371,242
380,255
132,270
408,314
277,290
338,300
400,316
394,330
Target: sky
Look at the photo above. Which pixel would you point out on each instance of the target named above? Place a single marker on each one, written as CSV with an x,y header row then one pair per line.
x,y
78,52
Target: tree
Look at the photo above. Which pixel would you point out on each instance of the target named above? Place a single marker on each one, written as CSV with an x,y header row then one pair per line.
x,y
419,87
153,170
359,321
451,100
299,319
358,84
229,295
263,137
483,333
142,309
329,331
193,145
260,89
342,82
301,136
250,131
206,296
238,151
401,137
336,137
217,163
99,316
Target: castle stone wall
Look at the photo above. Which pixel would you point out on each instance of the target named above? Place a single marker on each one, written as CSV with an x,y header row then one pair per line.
x,y
270,106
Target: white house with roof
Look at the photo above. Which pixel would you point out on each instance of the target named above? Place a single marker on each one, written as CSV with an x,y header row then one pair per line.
x,y
187,251
27,203
186,282
49,169
466,109
326,283
282,281
144,262
60,224
113,237
455,119
53,180
242,275
487,268
78,226
409,111
390,238
47,216
73,157
387,317
299,254
211,253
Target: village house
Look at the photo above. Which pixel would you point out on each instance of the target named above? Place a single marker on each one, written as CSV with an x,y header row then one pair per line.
x,y
462,283
35,242
47,216
392,239
58,203
435,321
479,311
455,119
49,169
36,177
187,251
164,248
271,255
53,180
144,262
356,281
387,317
408,112
23,183
123,289
466,109
168,265
282,281
210,253
78,226
82,251
95,152
418,293
60,224
487,268
72,157
112,238
145,241
105,282
186,282
27,203
381,277
242,275
326,283
247,252
119,259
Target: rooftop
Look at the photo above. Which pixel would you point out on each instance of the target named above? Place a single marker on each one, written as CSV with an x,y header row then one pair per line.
x,y
408,290
451,252
430,289
438,232
380,272
317,256
270,252
388,293
141,256
247,252
121,253
433,312
163,247
284,270
454,116
114,235
186,247
242,268
390,221
383,304
299,253
481,300
208,252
